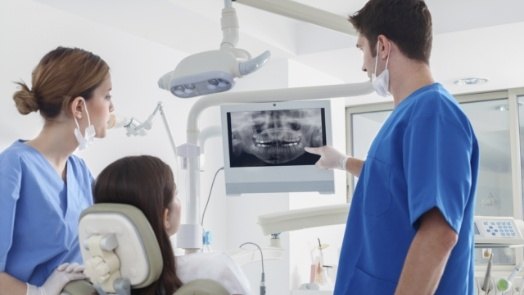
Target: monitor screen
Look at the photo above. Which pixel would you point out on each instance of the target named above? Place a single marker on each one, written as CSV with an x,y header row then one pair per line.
x,y
264,146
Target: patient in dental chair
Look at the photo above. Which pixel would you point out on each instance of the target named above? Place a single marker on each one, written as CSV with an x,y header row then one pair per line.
x,y
147,183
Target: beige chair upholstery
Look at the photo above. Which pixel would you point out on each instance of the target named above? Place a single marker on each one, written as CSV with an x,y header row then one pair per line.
x,y
121,252
81,287
202,287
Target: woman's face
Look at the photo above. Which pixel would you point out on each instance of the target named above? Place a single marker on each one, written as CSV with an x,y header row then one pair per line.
x,y
173,216
100,107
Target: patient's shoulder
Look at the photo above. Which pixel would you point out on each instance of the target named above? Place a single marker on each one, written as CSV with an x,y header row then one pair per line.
x,y
202,263
216,266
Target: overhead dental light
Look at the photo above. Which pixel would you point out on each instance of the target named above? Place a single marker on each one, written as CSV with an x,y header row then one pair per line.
x,y
213,71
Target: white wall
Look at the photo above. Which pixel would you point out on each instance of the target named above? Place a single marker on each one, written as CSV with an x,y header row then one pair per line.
x,y
491,52
29,30
302,242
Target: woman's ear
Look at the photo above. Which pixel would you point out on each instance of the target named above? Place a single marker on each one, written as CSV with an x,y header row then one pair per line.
x,y
167,224
76,106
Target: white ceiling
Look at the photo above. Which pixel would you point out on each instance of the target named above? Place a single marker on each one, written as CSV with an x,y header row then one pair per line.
x,y
472,37
448,15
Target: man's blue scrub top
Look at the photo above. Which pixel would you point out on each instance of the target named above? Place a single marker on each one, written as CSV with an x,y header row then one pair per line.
x,y
425,156
39,212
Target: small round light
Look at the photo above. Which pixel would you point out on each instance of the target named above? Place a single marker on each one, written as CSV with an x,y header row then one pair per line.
x,y
223,83
502,108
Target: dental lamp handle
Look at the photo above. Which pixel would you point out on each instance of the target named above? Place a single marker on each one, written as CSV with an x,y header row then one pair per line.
x,y
249,66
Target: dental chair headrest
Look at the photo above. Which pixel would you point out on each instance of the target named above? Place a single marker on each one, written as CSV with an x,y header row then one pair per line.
x,y
118,243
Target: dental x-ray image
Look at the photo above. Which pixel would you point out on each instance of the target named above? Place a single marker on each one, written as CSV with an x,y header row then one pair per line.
x,y
275,137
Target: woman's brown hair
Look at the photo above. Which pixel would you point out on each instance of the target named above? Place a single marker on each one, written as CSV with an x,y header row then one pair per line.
x,y
147,183
62,74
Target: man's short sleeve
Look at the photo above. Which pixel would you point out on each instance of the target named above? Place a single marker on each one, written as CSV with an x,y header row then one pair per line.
x,y
437,162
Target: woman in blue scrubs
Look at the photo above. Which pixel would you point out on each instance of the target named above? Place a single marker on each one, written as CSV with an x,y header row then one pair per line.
x,y
43,186
409,229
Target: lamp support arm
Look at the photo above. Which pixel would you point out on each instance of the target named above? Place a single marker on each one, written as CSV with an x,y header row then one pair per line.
x,y
285,94
160,108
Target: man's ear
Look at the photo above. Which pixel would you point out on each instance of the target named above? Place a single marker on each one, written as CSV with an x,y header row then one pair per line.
x,y
384,46
76,107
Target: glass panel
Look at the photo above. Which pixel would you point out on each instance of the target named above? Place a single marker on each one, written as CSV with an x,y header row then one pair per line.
x,y
365,128
520,100
490,120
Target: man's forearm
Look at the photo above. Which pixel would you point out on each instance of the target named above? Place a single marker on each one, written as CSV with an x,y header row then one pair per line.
x,y
427,256
354,166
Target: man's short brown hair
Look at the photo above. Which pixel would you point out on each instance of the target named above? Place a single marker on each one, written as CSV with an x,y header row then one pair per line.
x,y
406,22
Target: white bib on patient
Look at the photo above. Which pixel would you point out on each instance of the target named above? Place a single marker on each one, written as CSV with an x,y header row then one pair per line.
x,y
216,266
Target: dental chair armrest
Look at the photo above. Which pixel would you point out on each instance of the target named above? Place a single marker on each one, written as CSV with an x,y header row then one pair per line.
x,y
79,287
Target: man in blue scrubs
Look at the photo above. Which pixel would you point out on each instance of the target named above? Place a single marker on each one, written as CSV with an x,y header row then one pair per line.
x,y
409,229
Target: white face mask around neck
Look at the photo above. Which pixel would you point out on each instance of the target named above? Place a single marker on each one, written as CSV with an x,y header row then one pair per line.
x,y
89,133
381,83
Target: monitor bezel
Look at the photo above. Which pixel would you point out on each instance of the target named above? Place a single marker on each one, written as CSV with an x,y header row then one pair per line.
x,y
277,179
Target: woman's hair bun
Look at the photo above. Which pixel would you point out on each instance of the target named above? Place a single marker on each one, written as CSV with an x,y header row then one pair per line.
x,y
25,99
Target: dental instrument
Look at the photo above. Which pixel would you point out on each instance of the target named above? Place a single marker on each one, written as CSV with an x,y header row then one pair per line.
x,y
504,285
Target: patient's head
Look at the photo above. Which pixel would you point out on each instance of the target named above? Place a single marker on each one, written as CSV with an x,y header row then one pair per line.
x,y
147,183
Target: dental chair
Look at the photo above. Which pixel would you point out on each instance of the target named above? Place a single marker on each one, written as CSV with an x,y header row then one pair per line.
x,y
121,253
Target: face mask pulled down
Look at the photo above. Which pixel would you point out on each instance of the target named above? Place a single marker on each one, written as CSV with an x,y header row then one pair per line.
x,y
381,83
89,133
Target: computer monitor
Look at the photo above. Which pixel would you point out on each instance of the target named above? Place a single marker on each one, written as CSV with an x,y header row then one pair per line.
x,y
264,147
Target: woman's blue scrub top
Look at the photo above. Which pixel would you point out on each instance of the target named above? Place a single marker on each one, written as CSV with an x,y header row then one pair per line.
x,y
39,212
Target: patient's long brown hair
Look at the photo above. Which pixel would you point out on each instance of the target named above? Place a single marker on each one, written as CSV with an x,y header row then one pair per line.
x,y
147,183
